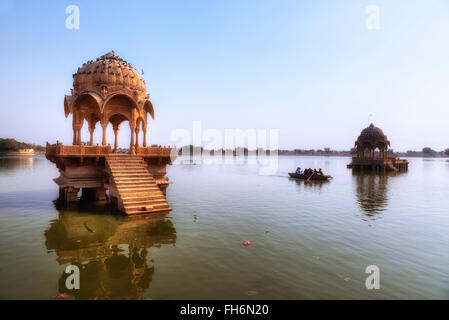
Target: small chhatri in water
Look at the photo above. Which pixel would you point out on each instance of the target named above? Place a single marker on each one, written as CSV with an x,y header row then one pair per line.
x,y
110,90
372,152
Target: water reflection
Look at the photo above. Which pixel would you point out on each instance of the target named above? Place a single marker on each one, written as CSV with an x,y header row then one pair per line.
x,y
371,192
111,252
15,163
310,185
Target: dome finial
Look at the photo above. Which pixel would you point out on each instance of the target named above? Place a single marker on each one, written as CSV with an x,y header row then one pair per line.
x,y
110,55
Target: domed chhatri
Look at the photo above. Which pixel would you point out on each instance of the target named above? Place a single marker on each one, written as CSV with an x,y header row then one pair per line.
x,y
110,90
372,152
372,137
111,71
107,90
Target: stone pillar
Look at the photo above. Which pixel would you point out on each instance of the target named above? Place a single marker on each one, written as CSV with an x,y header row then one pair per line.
x,y
132,150
104,126
78,135
91,131
144,130
74,135
115,139
137,136
71,194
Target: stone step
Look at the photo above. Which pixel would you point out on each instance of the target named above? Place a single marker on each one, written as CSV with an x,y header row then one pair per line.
x,y
134,182
128,168
121,161
131,188
124,157
116,168
151,205
148,207
141,195
123,174
125,179
142,200
154,211
127,184
137,190
136,179
131,174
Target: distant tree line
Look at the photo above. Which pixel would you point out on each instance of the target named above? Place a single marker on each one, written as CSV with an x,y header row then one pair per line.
x,y
426,152
197,150
12,145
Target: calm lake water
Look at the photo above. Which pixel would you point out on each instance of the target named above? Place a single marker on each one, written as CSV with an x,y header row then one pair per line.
x,y
308,241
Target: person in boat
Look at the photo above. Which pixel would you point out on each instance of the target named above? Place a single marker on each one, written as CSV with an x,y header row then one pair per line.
x,y
298,170
320,172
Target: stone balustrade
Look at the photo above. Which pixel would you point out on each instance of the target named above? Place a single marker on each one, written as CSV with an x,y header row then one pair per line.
x,y
62,150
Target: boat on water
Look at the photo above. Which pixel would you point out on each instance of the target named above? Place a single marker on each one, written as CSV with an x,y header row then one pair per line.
x,y
306,176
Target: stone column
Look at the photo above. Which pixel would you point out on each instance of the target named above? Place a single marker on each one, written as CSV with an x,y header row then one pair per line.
x,y
91,131
144,130
74,135
137,136
132,150
71,194
104,126
79,135
116,129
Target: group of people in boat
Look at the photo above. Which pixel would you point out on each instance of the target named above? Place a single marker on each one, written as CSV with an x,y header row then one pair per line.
x,y
310,172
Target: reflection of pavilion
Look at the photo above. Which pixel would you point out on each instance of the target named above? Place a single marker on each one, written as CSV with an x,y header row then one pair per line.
x,y
371,190
111,252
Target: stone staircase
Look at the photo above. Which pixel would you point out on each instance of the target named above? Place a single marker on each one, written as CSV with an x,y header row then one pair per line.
x,y
133,185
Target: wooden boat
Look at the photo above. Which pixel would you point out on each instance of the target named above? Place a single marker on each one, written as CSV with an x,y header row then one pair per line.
x,y
305,177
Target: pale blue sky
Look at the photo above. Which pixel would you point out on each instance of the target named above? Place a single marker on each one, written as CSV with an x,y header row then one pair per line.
x,y
308,68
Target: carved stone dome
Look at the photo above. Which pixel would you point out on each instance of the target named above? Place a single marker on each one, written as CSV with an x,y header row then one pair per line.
x,y
110,73
372,136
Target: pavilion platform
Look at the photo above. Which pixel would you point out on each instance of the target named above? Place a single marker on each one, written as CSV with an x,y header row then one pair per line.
x,y
379,165
135,184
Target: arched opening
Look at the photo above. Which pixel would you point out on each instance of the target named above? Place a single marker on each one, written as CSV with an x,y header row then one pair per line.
x,y
90,124
148,107
86,112
377,153
118,109
116,120
140,132
366,152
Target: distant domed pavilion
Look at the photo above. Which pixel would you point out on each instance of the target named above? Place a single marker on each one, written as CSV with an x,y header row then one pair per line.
x,y
109,90
372,152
